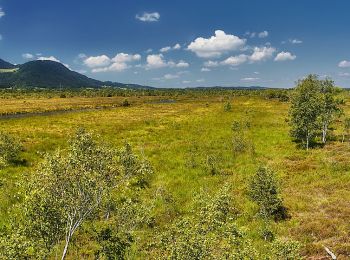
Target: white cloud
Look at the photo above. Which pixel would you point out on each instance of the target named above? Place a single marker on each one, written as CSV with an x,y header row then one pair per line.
x,y
283,56
235,60
157,61
186,81
165,49
263,34
295,41
249,79
148,17
200,80
182,64
262,53
27,56
344,74
216,45
211,63
171,76
205,69
344,64
250,34
53,58
97,61
124,57
103,63
2,12
177,46
149,50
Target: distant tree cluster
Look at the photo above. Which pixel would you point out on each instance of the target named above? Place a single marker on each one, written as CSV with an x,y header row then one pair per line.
x,y
314,107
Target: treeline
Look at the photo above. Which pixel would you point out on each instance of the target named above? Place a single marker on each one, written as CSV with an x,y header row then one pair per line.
x,y
280,94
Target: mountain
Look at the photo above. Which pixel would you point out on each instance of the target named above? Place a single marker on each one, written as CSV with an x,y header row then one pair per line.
x,y
50,74
6,65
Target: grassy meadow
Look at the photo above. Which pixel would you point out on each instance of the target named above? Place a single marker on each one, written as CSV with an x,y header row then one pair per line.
x,y
178,137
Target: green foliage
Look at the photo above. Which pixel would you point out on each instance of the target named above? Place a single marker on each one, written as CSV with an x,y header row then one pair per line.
x,y
69,188
286,249
125,103
227,106
211,164
263,190
209,233
313,108
9,149
240,138
138,171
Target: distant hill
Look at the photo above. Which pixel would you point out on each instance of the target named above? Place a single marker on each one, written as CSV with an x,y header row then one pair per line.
x,y
49,74
6,65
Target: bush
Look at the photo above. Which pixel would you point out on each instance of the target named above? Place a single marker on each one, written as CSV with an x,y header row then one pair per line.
x,y
240,141
227,107
9,149
125,103
286,249
263,190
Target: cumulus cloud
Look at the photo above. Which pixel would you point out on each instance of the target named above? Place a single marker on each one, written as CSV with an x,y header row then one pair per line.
x,y
157,61
124,57
211,63
262,53
27,56
263,34
103,63
97,61
344,64
52,58
235,60
182,64
216,45
283,56
148,17
205,69
177,46
2,12
249,79
165,49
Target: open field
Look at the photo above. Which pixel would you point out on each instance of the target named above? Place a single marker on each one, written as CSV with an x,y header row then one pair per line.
x,y
315,184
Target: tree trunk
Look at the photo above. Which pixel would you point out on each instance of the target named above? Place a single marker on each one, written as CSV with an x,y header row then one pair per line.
x,y
66,247
324,132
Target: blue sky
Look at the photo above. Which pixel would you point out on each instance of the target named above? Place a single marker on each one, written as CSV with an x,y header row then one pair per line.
x,y
183,43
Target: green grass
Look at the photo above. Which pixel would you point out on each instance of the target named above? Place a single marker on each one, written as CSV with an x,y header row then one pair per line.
x,y
315,184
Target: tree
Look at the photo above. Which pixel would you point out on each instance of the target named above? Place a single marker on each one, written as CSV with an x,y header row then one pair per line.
x,y
69,188
306,108
9,149
264,191
330,105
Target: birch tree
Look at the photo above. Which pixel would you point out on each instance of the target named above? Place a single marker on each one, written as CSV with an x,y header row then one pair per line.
x,y
330,106
306,108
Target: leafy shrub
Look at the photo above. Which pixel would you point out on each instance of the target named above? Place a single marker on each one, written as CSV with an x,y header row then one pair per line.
x,y
125,103
9,149
240,142
286,249
208,233
211,165
227,106
263,190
